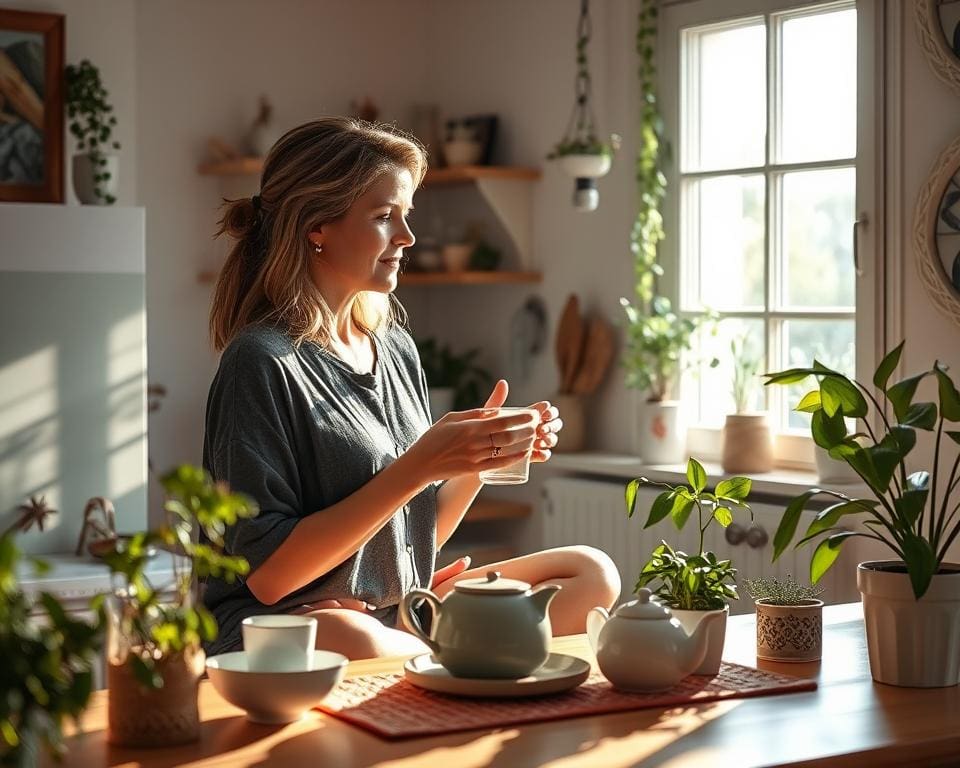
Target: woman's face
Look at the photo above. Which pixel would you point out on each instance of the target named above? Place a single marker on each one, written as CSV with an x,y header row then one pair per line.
x,y
362,250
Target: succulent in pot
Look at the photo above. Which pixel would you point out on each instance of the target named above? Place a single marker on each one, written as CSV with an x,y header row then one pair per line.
x,y
789,619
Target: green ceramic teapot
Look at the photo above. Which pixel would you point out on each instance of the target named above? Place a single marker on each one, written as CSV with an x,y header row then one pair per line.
x,y
486,627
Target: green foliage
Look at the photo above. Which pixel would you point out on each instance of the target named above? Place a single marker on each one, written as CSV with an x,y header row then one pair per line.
x,y
702,579
774,591
691,583
91,119
656,336
590,145
914,515
444,368
745,367
153,625
46,675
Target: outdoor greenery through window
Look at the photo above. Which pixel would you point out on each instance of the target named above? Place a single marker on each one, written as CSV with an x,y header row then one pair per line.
x,y
767,186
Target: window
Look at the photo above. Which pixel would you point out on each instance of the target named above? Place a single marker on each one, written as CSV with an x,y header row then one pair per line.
x,y
764,199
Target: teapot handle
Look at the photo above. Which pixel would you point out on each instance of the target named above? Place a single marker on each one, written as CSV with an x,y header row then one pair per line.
x,y
596,618
410,620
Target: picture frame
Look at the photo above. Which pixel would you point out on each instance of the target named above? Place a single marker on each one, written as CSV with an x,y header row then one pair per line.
x,y
938,32
31,107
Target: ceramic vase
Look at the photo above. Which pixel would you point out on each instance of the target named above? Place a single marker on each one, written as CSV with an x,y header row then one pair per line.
x,y
441,401
716,635
747,443
791,633
911,643
84,186
661,435
573,437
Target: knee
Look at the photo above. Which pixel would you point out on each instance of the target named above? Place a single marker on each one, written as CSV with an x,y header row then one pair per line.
x,y
598,574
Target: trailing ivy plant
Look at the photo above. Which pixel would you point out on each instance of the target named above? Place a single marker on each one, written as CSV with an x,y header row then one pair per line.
x,y
153,625
913,514
699,582
91,120
657,337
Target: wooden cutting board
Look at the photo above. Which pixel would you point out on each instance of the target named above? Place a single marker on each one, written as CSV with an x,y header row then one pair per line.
x,y
569,342
598,349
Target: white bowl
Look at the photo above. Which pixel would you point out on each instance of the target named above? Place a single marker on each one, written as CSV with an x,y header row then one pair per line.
x,y
585,166
275,697
462,151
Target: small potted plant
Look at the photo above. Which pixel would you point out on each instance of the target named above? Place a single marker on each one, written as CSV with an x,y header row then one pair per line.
x,y
47,673
154,653
693,586
911,603
789,619
91,122
747,442
454,380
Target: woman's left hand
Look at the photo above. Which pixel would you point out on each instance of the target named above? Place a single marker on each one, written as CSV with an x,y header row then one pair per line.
x,y
547,431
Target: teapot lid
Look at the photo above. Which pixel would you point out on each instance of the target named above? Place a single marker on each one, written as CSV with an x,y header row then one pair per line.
x,y
492,584
644,607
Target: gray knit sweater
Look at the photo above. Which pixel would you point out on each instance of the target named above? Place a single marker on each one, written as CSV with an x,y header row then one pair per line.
x,y
299,430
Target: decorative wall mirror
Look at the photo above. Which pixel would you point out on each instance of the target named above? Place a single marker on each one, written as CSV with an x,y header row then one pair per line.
x,y
938,26
936,232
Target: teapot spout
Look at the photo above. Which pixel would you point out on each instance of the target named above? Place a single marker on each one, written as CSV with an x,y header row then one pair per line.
x,y
541,597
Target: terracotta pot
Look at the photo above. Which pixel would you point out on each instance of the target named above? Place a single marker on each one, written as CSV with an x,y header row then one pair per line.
x,y
142,717
747,443
716,636
661,436
574,435
790,632
912,643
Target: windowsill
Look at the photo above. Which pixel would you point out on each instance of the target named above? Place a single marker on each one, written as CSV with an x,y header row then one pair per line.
x,y
779,482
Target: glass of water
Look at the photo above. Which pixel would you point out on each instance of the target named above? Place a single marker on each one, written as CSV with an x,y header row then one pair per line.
x,y
518,472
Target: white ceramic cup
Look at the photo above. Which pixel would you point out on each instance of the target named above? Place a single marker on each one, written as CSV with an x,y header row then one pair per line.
x,y
279,642
519,471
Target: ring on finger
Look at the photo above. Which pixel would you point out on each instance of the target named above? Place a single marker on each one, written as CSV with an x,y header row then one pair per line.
x,y
497,450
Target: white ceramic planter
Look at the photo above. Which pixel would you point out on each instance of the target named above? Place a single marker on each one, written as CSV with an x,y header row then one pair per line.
x,y
441,401
661,435
791,633
716,635
585,166
83,184
912,643
747,443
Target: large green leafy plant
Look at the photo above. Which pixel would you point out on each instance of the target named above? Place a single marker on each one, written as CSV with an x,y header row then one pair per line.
x,y
911,512
699,582
155,624
47,671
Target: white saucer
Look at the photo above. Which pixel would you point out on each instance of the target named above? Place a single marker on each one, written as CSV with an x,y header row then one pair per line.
x,y
559,672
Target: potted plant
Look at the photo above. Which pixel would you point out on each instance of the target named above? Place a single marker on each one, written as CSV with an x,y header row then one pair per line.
x,y
453,380
91,123
789,619
693,586
747,442
154,653
911,604
47,673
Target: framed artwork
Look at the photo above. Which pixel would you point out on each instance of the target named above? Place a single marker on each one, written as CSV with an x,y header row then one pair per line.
x,y
938,30
31,107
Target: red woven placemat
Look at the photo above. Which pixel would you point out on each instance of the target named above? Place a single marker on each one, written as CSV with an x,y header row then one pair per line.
x,y
391,707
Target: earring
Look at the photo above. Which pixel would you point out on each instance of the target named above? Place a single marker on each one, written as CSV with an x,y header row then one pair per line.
x,y
318,248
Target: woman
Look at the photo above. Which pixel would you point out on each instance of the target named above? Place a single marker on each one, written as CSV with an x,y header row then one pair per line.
x,y
319,408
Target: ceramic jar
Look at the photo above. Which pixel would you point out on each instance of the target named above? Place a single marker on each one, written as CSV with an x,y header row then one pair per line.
x,y
792,633
747,443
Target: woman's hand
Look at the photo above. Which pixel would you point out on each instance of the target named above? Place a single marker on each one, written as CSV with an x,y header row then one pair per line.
x,y
468,442
443,577
547,431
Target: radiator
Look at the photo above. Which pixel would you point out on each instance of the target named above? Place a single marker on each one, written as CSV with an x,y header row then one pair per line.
x,y
593,512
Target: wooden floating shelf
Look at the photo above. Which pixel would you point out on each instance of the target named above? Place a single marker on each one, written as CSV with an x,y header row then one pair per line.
x,y
251,166
491,277
497,509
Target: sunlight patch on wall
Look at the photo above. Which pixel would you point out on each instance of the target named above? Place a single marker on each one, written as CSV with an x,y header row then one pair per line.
x,y
127,423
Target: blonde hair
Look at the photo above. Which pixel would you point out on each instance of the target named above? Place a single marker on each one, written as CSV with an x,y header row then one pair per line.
x,y
312,176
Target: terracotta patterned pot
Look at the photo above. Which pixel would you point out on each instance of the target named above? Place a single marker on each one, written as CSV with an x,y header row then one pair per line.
x,y
790,632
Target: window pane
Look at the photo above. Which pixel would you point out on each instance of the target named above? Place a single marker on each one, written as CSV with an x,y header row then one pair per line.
x,y
829,341
728,253
819,91
714,386
725,98
818,213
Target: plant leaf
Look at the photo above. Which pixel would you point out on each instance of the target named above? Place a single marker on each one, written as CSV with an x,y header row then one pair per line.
x,y
828,431
630,496
789,376
682,506
910,504
887,366
734,488
901,394
904,438
789,521
949,397
722,515
660,509
826,554
829,517
841,391
955,436
921,562
697,475
810,402
922,415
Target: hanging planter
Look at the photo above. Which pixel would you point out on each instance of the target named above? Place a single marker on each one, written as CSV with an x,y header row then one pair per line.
x,y
580,153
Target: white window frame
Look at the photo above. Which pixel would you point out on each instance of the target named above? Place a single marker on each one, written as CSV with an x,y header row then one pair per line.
x,y
792,449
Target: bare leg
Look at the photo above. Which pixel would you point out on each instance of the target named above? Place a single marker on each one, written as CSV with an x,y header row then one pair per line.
x,y
588,578
359,636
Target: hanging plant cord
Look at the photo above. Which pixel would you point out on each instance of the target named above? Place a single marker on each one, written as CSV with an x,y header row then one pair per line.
x,y
580,129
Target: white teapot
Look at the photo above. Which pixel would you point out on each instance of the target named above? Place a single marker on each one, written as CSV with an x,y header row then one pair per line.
x,y
641,647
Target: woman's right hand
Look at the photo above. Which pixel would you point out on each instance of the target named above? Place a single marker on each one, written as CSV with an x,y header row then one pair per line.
x,y
464,442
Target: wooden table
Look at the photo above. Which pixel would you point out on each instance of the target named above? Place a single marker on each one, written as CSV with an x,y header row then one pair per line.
x,y
848,721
